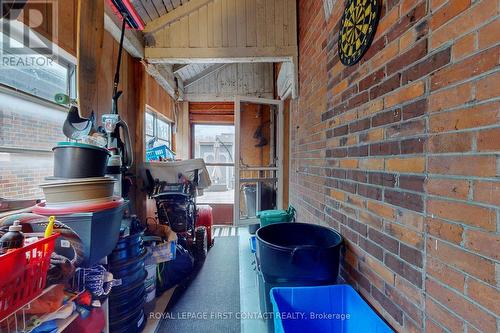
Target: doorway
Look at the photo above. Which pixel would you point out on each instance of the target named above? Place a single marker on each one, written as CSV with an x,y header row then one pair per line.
x,y
259,157
215,143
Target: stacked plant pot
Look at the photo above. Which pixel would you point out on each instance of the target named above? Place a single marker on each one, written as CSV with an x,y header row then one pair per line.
x,y
81,196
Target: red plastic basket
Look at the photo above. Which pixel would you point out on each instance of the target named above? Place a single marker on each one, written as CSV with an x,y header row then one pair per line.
x,y
23,274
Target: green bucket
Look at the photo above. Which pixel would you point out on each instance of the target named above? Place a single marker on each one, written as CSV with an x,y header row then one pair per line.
x,y
268,217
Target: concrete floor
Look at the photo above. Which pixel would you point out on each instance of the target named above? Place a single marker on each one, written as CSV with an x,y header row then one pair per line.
x,y
249,290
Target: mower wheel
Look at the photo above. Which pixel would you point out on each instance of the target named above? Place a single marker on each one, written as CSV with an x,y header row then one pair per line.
x,y
200,244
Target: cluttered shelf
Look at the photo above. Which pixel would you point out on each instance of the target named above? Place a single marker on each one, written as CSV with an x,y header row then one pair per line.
x,y
81,252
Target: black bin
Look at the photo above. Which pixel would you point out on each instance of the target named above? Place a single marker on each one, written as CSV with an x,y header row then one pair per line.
x,y
295,254
298,252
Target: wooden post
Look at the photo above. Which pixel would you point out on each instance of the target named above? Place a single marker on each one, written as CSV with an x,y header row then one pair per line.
x,y
90,36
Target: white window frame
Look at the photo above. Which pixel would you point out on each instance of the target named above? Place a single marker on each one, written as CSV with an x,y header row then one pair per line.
x,y
64,58
157,116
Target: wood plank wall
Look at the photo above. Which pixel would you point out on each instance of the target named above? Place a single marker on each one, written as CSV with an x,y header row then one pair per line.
x,y
244,79
233,23
138,86
66,24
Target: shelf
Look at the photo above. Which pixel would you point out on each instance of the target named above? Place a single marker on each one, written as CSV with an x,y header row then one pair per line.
x,y
29,325
46,290
62,324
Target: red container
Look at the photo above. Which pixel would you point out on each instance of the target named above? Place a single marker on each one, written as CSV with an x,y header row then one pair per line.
x,y
205,219
23,276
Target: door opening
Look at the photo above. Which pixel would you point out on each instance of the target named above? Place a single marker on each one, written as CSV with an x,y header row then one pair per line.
x,y
259,157
216,145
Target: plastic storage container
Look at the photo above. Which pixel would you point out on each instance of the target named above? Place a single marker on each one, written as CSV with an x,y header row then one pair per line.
x,y
24,272
253,244
327,309
276,216
160,152
299,252
98,228
79,160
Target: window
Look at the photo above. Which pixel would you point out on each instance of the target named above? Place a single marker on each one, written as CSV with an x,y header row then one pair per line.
x,y
215,144
44,80
158,130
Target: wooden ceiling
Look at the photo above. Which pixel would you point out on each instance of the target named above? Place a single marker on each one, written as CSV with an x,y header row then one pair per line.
x,y
149,10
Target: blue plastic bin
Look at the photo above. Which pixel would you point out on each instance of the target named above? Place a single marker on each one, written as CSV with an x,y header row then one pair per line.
x,y
253,244
323,309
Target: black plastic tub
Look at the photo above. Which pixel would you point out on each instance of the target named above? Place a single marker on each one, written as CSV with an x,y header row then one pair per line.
x,y
79,160
298,252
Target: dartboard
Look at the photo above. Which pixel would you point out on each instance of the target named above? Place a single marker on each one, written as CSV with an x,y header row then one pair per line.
x,y
357,29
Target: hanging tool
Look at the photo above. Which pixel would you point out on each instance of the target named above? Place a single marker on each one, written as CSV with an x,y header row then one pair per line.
x,y
113,126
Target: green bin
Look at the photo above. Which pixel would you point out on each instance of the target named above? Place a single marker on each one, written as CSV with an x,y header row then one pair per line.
x,y
276,216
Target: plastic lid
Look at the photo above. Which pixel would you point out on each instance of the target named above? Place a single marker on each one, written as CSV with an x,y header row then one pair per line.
x,y
16,226
80,145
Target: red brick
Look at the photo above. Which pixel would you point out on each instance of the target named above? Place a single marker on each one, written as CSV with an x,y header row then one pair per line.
x,y
447,231
466,69
388,305
415,109
488,35
484,295
481,166
464,47
406,129
386,86
484,243
487,192
451,97
404,199
447,12
411,291
465,213
403,269
405,235
414,54
412,183
381,271
445,274
405,93
488,87
408,307
382,179
407,21
489,140
427,66
411,165
468,262
451,143
443,316
387,117
411,219
451,188
465,309
474,17
476,116
382,210
432,327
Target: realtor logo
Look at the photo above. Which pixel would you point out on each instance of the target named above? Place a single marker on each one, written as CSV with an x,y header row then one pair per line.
x,y
28,32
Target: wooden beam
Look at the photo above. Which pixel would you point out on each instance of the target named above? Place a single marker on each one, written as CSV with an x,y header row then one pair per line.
x,y
220,55
165,79
208,71
218,98
174,15
133,42
90,36
178,68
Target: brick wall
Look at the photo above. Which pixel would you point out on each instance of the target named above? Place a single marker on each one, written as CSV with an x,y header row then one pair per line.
x,y
26,125
400,153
